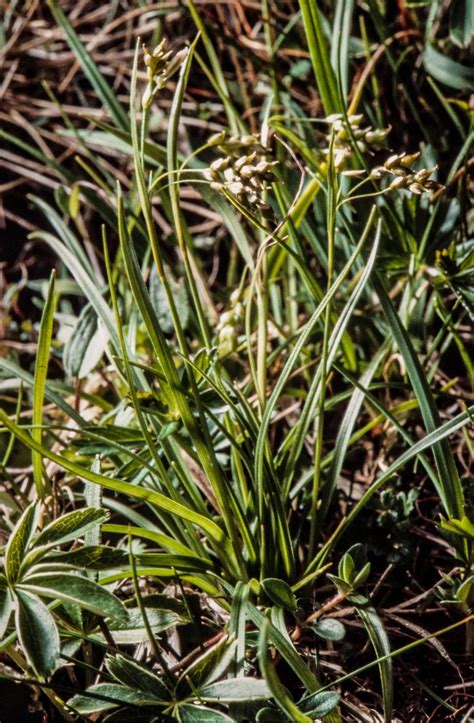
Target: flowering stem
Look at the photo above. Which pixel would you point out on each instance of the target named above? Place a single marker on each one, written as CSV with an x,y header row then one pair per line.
x,y
331,227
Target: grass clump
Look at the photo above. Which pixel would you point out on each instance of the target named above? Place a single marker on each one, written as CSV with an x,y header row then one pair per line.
x,y
248,418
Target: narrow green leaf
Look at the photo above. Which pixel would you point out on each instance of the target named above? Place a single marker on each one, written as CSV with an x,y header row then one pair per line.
x,y
133,675
448,71
381,644
37,633
461,22
91,557
280,694
318,49
155,498
75,589
6,607
41,371
449,487
91,71
106,696
71,526
340,40
19,540
67,237
87,285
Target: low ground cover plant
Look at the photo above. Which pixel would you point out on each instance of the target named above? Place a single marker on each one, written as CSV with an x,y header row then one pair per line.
x,y
236,468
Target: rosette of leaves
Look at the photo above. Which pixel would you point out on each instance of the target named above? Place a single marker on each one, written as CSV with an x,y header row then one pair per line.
x,y
41,585
134,692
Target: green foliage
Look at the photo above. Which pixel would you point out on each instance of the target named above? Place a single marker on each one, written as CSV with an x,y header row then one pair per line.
x,y
253,366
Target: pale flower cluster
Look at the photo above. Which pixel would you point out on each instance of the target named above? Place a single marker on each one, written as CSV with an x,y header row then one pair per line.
x,y
244,171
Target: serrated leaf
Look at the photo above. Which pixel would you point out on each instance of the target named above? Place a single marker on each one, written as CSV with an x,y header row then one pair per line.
x,y
235,690
86,345
19,541
329,629
37,633
321,704
71,526
133,675
73,588
109,695
280,593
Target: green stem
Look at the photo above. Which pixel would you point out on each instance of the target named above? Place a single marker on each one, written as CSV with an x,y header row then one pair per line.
x,y
318,451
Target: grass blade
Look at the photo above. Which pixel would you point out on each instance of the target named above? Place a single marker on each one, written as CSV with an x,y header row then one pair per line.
x,y
449,487
92,72
41,371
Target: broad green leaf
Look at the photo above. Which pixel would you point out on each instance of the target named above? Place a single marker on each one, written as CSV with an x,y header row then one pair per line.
x,y
280,593
85,347
37,633
235,690
329,629
133,631
71,526
75,589
199,714
321,704
6,607
19,541
133,675
41,372
105,696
